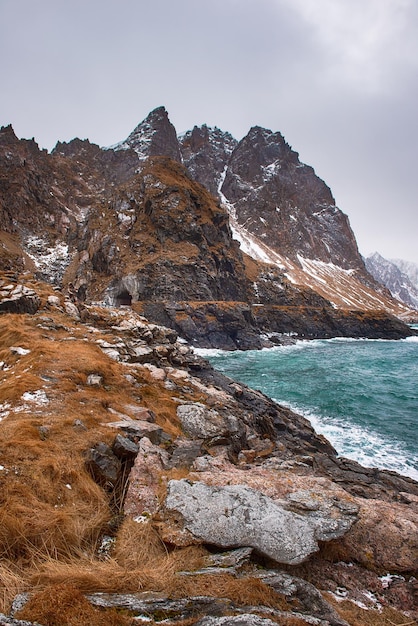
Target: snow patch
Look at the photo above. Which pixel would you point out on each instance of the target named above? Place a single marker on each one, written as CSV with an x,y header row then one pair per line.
x,y
38,397
51,261
19,350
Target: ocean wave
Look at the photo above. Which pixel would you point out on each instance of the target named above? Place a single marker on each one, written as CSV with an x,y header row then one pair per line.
x,y
360,444
412,339
208,352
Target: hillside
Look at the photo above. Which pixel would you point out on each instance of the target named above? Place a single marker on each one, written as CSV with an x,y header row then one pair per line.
x,y
126,225
114,433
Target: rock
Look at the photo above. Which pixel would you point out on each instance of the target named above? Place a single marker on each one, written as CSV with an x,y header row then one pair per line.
x,y
10,621
72,310
142,497
138,429
310,598
149,603
239,516
385,536
124,448
232,558
17,298
104,465
185,453
202,423
54,301
246,619
94,380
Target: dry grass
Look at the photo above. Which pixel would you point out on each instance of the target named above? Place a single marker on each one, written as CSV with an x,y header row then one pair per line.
x,y
11,583
356,616
52,513
65,605
243,591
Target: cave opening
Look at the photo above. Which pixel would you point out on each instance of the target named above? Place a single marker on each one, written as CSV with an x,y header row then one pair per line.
x,y
124,298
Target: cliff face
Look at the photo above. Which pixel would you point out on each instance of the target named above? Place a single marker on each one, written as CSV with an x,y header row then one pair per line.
x,y
123,226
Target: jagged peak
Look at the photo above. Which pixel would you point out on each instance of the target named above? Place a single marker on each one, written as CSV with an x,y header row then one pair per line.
x,y
8,136
154,136
73,146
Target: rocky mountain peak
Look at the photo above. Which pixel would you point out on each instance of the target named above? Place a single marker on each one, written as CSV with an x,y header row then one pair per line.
x,y
393,278
206,152
154,136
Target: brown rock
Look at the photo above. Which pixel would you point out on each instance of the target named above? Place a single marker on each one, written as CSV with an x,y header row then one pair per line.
x,y
142,497
385,536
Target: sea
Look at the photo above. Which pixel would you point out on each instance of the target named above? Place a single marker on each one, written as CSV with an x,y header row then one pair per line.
x,y
362,394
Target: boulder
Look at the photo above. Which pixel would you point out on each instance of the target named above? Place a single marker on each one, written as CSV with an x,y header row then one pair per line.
x,y
17,298
385,536
142,497
237,516
202,423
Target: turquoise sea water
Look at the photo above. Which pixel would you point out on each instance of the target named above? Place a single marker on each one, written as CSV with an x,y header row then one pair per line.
x,y
361,394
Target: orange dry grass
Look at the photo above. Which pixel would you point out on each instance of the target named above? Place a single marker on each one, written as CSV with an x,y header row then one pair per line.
x,y
139,561
32,529
65,605
52,513
243,591
11,583
356,616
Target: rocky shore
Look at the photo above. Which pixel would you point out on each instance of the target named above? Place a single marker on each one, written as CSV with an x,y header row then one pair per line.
x,y
140,484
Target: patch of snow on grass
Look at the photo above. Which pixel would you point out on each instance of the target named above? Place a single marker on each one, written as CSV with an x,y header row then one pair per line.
x,y
37,397
4,410
19,350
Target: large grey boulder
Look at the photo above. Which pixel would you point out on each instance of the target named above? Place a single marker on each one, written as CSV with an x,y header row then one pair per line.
x,y
200,422
235,515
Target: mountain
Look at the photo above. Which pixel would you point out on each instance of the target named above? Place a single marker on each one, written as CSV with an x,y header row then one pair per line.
x,y
408,268
132,224
390,274
135,479
280,211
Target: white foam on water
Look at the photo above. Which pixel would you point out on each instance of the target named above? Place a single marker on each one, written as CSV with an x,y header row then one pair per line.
x,y
360,444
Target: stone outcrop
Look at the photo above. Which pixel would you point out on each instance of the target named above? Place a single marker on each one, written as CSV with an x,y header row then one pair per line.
x,y
236,516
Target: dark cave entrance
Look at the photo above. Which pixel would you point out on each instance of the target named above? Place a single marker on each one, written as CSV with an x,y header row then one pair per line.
x,y
124,298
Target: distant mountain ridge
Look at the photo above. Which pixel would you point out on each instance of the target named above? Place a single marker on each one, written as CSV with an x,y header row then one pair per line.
x,y
396,275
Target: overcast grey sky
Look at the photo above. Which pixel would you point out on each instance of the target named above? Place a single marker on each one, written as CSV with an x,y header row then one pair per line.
x,y
338,78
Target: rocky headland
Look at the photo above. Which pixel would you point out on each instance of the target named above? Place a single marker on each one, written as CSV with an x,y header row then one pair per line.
x,y
138,483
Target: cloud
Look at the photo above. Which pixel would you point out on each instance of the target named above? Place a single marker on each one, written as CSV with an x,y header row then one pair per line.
x,y
366,41
337,77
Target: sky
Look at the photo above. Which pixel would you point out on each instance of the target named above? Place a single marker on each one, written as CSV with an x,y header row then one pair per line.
x,y
338,78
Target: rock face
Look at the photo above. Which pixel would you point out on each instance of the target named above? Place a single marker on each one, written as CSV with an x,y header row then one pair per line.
x,y
206,152
282,201
131,224
155,136
392,277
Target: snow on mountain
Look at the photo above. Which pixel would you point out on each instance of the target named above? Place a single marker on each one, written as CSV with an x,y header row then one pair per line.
x,y
408,268
390,274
